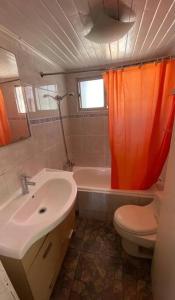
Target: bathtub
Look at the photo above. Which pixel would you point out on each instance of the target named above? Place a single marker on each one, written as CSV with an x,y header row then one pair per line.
x,y
99,180
97,200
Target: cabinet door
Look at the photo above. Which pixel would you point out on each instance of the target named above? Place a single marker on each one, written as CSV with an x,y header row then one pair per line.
x,y
32,253
43,272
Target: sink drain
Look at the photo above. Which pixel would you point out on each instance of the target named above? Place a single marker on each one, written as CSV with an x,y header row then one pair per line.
x,y
42,210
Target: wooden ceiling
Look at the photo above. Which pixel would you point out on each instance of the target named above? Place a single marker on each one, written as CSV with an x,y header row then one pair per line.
x,y
54,27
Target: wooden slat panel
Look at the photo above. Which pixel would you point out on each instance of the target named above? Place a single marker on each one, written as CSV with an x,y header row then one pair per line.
x,y
139,8
149,16
56,30
71,11
42,29
18,24
163,9
164,27
167,37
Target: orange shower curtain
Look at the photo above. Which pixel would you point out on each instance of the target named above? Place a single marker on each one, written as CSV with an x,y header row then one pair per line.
x,y
141,116
4,124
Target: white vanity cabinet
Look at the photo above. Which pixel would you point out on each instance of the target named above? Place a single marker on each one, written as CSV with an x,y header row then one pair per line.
x,y
35,274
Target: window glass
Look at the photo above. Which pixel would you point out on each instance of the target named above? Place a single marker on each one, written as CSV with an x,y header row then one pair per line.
x,y
20,100
91,93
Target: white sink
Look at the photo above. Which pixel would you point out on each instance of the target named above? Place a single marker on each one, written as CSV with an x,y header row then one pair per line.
x,y
27,218
45,203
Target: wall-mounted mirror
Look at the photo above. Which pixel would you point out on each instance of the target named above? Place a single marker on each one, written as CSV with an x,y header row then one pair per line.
x,y
13,118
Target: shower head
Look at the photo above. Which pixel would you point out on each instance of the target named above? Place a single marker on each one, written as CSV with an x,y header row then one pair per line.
x,y
59,98
47,95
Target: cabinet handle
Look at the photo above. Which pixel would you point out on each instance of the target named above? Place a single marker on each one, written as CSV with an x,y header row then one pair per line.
x,y
52,282
47,250
70,233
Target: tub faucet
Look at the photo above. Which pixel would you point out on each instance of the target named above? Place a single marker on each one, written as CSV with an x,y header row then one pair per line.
x,y
25,183
68,166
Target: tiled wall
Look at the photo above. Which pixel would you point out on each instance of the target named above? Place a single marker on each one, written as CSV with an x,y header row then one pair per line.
x,y
45,147
88,130
102,206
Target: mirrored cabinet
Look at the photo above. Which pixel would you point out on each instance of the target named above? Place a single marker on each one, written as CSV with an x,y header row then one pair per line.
x,y
13,110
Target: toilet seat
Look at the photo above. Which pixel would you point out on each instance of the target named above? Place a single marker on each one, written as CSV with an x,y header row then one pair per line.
x,y
139,220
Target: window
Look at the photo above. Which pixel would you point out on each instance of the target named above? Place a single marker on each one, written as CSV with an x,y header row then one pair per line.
x,y
20,102
91,93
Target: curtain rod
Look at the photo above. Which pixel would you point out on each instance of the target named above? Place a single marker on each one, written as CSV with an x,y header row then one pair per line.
x,y
8,81
42,74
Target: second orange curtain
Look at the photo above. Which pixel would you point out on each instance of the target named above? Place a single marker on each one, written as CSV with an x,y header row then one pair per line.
x,y
5,133
141,115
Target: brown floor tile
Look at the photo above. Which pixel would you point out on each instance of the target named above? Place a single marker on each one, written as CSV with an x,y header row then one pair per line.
x,y
75,296
78,236
100,238
65,279
96,267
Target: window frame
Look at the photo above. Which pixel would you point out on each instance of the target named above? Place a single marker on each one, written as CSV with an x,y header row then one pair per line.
x,y
26,85
80,108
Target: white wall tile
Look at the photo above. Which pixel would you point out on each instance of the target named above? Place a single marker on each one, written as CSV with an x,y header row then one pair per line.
x,y
45,147
88,134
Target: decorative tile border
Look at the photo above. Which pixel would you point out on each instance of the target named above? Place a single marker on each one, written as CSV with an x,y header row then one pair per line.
x,y
17,118
43,120
89,115
57,118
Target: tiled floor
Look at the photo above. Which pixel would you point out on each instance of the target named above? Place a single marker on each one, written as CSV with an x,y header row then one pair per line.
x,y
96,267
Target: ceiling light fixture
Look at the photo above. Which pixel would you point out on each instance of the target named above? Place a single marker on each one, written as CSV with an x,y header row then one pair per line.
x,y
103,28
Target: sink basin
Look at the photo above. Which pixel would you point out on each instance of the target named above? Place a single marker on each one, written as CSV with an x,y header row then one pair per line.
x,y
27,218
45,203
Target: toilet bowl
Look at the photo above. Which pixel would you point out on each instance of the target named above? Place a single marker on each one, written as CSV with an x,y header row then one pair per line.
x,y
137,225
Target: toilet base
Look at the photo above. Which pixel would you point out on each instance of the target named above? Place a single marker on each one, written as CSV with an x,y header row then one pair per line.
x,y
136,250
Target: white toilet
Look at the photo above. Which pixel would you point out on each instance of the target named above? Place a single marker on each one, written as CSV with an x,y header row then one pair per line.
x,y
137,225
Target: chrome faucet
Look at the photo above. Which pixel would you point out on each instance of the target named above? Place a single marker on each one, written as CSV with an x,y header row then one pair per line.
x,y
25,183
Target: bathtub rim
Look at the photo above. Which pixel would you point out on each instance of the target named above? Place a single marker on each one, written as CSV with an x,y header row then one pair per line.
x,y
149,193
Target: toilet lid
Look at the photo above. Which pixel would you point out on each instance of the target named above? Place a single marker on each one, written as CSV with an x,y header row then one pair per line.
x,y
136,219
